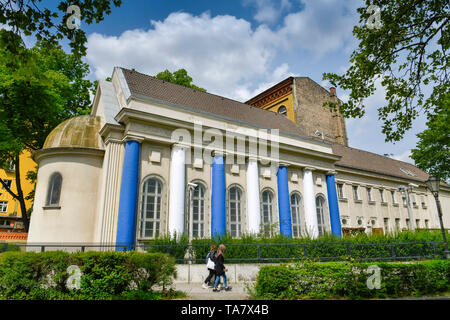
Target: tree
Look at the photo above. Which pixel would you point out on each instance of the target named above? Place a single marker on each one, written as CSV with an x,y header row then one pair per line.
x,y
180,77
408,53
432,152
26,17
39,88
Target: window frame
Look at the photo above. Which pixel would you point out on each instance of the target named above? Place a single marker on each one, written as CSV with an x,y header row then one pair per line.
x,y
282,113
340,190
324,225
382,199
394,200
296,210
355,190
369,195
4,204
158,200
239,204
270,205
199,223
51,190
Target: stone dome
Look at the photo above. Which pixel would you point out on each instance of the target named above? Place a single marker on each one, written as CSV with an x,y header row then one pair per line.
x,y
76,132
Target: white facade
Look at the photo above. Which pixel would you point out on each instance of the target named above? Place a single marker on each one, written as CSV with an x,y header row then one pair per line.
x,y
88,207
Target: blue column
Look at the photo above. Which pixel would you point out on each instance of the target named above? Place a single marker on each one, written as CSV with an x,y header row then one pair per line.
x,y
218,218
334,206
284,203
126,223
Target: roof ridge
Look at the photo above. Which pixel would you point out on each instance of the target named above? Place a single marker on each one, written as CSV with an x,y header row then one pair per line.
x,y
399,162
379,155
201,92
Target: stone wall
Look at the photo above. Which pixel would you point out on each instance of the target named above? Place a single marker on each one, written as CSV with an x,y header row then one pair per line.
x,y
312,116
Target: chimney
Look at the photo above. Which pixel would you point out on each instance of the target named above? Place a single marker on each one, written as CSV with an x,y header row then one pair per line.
x,y
333,91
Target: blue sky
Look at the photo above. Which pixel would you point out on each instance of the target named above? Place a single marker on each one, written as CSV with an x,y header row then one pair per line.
x,y
240,48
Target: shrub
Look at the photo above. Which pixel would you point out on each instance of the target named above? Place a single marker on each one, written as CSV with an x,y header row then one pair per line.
x,y
260,249
308,279
83,275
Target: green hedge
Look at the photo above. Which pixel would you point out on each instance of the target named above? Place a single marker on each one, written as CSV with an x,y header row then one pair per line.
x,y
281,249
104,275
331,280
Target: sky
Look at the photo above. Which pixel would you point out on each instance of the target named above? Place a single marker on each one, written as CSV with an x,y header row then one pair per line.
x,y
238,48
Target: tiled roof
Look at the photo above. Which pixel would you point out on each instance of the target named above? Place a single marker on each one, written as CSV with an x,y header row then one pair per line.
x,y
144,85
368,161
148,86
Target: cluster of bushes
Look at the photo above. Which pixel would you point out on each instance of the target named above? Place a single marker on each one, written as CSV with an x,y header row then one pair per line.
x,y
337,280
251,249
84,275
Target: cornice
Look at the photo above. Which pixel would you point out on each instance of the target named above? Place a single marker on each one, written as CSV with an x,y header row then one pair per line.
x,y
274,93
65,151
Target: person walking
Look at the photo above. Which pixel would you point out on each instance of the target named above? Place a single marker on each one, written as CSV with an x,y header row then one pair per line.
x,y
210,265
220,268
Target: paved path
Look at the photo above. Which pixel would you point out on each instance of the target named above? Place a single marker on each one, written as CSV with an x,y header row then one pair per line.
x,y
194,291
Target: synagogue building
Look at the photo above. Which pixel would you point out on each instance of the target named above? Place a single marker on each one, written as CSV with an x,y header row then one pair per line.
x,y
158,158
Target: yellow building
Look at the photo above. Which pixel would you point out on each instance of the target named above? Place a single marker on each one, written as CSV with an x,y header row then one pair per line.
x,y
8,205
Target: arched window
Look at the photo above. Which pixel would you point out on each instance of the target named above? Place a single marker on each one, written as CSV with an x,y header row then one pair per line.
x,y
282,110
320,207
234,211
296,207
151,207
54,190
197,212
267,211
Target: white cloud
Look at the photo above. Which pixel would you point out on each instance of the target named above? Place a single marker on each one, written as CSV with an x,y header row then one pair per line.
x,y
323,25
223,54
268,11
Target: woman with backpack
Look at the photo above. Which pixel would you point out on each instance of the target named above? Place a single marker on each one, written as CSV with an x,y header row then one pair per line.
x,y
210,265
220,268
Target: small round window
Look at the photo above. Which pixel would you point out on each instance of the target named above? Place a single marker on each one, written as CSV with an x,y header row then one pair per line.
x,y
282,110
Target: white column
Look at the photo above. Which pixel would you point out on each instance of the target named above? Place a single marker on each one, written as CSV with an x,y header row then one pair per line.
x,y
177,190
312,228
253,202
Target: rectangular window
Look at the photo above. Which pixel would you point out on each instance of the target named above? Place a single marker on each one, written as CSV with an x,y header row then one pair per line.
x,y
422,200
8,184
3,206
340,190
417,223
413,198
386,225
10,166
408,224
393,197
355,193
397,224
426,224
369,194
382,195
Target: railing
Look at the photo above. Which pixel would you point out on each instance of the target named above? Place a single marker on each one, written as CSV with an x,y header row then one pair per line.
x,y
266,253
